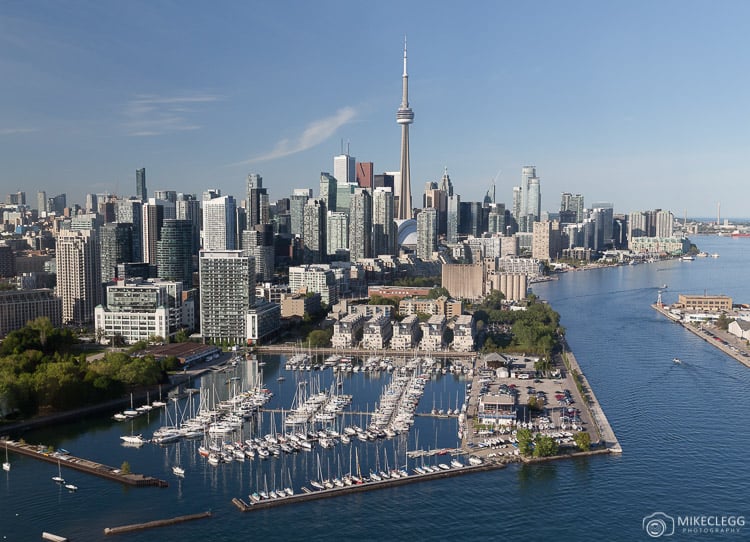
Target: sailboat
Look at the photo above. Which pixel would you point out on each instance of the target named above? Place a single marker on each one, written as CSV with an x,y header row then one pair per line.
x,y
6,464
58,479
131,413
177,469
71,487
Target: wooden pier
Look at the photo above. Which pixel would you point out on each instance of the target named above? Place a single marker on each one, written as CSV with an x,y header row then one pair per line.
x,y
42,453
309,495
157,523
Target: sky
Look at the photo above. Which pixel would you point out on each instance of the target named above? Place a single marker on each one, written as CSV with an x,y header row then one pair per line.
x,y
642,104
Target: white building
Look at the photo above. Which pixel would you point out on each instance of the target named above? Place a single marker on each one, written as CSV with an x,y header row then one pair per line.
x,y
464,333
433,333
405,333
378,330
315,278
347,331
219,223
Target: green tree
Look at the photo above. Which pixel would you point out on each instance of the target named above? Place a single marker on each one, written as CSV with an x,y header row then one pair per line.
x,y
545,446
125,468
320,338
181,336
524,441
583,441
723,322
437,292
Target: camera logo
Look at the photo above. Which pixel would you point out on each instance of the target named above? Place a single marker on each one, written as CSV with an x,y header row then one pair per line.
x,y
658,524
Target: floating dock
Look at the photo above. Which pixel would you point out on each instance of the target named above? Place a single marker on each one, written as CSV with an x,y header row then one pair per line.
x,y
157,523
310,495
42,453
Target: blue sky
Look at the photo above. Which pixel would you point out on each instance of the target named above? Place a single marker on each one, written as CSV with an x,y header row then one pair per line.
x,y
644,104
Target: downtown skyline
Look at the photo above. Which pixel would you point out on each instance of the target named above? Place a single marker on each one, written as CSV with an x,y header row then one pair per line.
x,y
620,104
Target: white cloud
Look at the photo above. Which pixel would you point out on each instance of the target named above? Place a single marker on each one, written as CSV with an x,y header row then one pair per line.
x,y
315,133
150,115
14,131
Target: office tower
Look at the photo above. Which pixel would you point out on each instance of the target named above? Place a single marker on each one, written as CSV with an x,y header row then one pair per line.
x,y
471,218
131,211
437,198
445,184
227,293
496,219
337,232
166,195
155,212
383,226
107,208
78,275
603,215
453,219
517,203
240,225
210,194
297,202
385,180
258,242
364,174
344,193
489,197
140,184
571,203
314,231
187,207
404,117
115,247
360,219
219,223
57,204
344,168
18,198
426,234
41,202
328,191
174,252
530,208
92,204
257,201
664,223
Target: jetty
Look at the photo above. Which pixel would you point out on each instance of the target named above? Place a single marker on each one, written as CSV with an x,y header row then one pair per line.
x,y
310,495
157,523
44,453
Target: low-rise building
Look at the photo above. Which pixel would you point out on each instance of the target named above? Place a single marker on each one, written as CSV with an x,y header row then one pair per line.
x,y
405,333
347,332
442,305
377,332
740,328
498,408
704,302
18,307
263,320
298,304
433,333
673,246
464,333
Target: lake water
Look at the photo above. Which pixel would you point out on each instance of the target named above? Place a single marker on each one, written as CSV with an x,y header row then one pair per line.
x,y
682,429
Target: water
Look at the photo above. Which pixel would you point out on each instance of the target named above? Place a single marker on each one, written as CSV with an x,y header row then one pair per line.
x,y
682,428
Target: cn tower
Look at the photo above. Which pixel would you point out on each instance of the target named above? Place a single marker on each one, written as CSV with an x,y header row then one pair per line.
x,y
404,116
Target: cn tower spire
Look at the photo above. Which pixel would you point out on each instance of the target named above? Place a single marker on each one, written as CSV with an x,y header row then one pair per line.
x,y
404,117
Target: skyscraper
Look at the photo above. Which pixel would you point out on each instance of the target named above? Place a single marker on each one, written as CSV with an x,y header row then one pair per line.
x,y
360,220
78,275
572,203
187,207
155,212
426,233
227,292
404,117
328,190
219,223
453,225
174,252
115,246
41,202
140,184
383,226
344,168
365,171
131,211
314,231
337,232
297,202
257,201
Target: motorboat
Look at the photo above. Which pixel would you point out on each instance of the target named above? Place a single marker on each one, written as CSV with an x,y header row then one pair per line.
x,y
677,360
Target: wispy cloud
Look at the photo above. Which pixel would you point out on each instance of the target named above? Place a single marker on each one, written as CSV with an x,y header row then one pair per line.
x,y
15,131
314,134
150,115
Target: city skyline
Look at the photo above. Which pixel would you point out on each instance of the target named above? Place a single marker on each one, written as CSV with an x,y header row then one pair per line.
x,y
618,104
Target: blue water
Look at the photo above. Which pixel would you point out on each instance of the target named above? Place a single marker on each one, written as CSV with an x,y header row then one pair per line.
x,y
682,429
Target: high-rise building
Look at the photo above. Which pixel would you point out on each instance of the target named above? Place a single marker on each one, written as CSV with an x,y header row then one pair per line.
x,y
360,220
258,242
219,223
140,184
297,202
603,215
155,212
337,232
426,234
404,117
78,275
328,190
166,195
131,211
530,208
227,293
453,225
471,222
57,204
41,202
344,168
383,225
174,252
365,172
344,193
92,204
664,223
496,219
445,184
257,201
187,207
572,203
545,244
637,224
115,246
314,231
